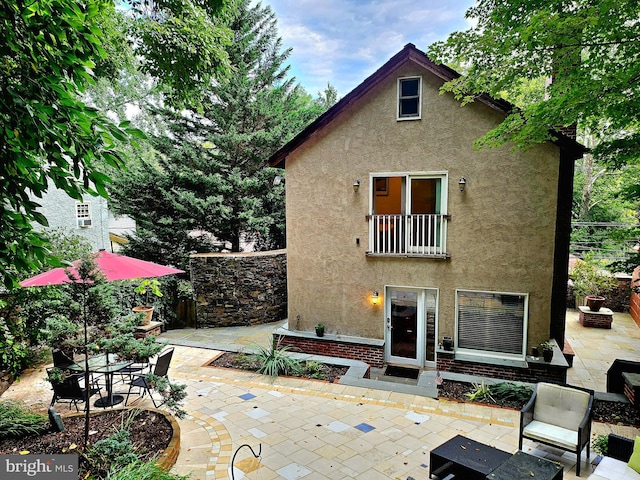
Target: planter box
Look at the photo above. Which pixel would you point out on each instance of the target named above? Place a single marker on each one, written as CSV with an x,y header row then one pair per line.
x,y
600,319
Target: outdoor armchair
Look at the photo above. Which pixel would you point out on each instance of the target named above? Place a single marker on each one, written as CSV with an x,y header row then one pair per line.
x,y
559,416
143,381
68,389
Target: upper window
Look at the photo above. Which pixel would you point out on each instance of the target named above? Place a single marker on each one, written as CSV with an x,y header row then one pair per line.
x,y
83,214
491,322
409,105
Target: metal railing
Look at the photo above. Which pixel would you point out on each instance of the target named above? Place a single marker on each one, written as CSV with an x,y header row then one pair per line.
x,y
417,234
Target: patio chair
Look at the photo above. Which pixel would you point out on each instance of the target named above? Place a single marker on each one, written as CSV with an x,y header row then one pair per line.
x,y
559,416
160,369
61,359
69,389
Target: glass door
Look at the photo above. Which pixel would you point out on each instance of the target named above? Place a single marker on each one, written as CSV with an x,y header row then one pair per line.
x,y
410,326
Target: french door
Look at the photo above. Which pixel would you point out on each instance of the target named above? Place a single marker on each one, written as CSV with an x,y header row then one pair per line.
x,y
411,321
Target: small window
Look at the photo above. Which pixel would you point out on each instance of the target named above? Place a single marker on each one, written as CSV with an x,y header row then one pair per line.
x,y
409,107
492,322
83,214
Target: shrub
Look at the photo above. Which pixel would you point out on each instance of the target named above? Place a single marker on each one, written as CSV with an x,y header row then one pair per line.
x,y
511,391
112,453
313,369
274,360
143,471
480,392
600,444
16,420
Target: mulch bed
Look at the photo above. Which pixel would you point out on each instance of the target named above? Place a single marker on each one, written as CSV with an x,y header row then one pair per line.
x,y
149,432
326,372
619,413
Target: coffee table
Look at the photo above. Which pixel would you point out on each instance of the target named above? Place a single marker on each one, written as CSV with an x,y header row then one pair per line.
x,y
465,458
522,466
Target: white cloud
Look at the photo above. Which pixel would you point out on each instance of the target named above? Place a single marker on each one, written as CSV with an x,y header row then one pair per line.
x,y
344,41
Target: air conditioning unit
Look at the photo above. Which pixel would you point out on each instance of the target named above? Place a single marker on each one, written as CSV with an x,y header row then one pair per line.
x,y
84,222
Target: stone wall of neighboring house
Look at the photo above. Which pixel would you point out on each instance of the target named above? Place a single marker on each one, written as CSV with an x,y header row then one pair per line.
x,y
634,300
239,289
618,299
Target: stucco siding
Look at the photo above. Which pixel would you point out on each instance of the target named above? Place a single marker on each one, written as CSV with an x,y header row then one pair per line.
x,y
500,235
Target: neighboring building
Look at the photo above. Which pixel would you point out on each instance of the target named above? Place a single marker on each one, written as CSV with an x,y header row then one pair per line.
x,y
89,218
400,233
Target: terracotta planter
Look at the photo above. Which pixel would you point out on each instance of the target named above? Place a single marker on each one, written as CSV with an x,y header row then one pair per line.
x,y
595,302
147,310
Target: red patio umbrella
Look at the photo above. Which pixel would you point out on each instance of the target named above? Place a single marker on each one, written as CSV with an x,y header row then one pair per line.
x,y
113,266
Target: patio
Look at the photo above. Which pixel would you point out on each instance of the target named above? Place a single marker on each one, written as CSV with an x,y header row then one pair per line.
x,y
315,430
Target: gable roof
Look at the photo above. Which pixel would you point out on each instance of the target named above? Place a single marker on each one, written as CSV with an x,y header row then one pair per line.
x,y
408,54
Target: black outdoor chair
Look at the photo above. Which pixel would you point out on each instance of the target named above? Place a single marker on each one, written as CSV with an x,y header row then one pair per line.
x,y
69,389
160,369
61,359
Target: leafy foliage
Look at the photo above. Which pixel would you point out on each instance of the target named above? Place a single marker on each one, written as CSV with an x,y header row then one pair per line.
x,y
480,392
173,395
274,361
588,48
208,187
50,137
589,278
16,420
600,444
112,453
511,391
143,471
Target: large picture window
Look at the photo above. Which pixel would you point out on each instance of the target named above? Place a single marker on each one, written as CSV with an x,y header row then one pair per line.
x,y
491,322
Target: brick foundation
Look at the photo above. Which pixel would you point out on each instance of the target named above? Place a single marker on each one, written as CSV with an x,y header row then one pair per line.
x,y
153,328
371,354
374,356
600,319
535,372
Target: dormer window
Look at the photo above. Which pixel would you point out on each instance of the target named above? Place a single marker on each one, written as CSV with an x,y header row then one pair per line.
x,y
409,105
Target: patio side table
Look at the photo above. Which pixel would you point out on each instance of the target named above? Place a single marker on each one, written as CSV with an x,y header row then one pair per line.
x,y
465,458
522,466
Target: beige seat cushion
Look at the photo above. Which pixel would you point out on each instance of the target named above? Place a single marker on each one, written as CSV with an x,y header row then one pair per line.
x,y
546,432
561,406
612,469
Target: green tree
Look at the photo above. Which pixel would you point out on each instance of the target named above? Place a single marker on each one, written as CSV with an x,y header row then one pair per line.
x,y
590,50
49,53
210,174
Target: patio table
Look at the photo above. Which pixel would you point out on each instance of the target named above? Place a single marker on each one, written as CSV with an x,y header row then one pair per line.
x,y
465,458
107,364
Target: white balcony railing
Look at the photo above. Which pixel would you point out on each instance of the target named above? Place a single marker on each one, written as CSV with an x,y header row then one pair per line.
x,y
411,235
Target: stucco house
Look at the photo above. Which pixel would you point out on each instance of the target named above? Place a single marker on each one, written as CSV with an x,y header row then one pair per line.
x,y
415,249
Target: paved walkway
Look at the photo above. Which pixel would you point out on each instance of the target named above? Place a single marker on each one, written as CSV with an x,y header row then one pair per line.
x,y
315,430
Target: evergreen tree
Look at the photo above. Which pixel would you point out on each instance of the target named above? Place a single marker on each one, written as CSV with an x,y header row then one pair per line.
x,y
210,177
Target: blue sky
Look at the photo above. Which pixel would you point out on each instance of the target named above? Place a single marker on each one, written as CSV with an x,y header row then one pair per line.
x,y
344,41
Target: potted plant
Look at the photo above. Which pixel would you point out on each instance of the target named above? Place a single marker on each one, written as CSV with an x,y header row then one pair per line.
x,y
591,282
147,286
320,329
547,350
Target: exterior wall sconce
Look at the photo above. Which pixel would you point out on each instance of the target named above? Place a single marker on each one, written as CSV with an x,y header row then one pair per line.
x,y
356,186
461,183
277,180
375,298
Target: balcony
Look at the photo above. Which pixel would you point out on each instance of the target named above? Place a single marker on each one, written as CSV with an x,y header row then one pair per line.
x,y
417,235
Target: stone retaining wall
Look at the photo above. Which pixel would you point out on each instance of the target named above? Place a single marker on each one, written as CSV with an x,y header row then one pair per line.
x,y
239,289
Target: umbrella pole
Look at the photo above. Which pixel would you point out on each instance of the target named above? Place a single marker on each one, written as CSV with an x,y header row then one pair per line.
x,y
87,384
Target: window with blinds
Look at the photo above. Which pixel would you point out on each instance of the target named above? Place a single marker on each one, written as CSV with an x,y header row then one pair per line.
x,y
491,322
